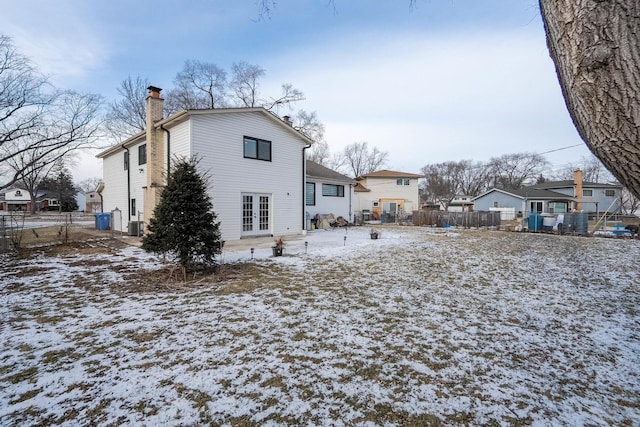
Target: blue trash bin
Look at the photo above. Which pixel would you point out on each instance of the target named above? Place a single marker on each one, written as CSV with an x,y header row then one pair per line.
x,y
103,221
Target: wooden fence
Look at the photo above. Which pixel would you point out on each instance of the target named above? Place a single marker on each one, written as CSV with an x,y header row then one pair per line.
x,y
456,219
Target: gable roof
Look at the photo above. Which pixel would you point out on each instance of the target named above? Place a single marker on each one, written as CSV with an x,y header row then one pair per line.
x,y
385,173
570,184
183,115
528,193
316,170
359,188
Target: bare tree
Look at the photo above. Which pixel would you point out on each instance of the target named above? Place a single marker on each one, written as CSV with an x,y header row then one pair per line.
x,y
68,123
442,182
474,177
358,159
592,170
24,102
288,96
32,173
89,184
319,153
200,85
512,171
127,115
309,124
245,83
630,202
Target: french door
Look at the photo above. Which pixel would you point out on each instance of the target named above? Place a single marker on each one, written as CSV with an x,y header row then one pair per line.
x,y
256,209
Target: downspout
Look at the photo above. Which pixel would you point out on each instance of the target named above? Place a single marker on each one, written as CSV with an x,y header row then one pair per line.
x,y
350,191
304,186
168,150
128,184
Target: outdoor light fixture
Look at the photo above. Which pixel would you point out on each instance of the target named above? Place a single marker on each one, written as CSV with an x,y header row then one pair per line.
x,y
306,245
252,250
345,241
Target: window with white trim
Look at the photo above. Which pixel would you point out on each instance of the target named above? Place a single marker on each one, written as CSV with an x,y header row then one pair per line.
x,y
402,181
610,193
587,193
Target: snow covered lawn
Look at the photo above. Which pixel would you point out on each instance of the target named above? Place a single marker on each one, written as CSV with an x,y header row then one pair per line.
x,y
421,327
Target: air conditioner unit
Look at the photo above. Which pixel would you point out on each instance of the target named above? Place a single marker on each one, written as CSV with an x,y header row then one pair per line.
x,y
135,228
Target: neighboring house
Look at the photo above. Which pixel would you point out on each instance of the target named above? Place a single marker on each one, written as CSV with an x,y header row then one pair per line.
x,y
16,199
459,204
523,200
19,199
386,194
93,202
328,192
254,162
555,197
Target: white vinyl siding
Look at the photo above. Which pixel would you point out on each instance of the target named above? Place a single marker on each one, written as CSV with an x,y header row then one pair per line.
x,y
218,141
114,194
338,206
180,146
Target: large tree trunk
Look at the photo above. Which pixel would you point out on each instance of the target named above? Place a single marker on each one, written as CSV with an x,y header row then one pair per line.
x,y
595,45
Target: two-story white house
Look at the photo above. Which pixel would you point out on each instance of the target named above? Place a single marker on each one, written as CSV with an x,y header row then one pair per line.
x,y
386,194
254,162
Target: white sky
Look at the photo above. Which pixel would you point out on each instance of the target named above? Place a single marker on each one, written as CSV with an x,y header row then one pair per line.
x,y
444,80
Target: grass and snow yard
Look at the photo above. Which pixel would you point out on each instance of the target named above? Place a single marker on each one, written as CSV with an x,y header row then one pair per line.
x,y
421,327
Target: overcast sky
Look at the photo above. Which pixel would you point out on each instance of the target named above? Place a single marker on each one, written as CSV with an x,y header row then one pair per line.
x,y
442,80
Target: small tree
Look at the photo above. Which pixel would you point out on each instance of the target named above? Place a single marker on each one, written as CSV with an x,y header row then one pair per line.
x,y
184,226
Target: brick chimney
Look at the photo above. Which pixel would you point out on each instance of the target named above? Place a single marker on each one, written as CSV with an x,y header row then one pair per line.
x,y
155,153
577,186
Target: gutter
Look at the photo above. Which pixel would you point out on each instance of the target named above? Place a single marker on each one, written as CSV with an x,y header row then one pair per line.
x,y
128,184
168,149
350,191
304,186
